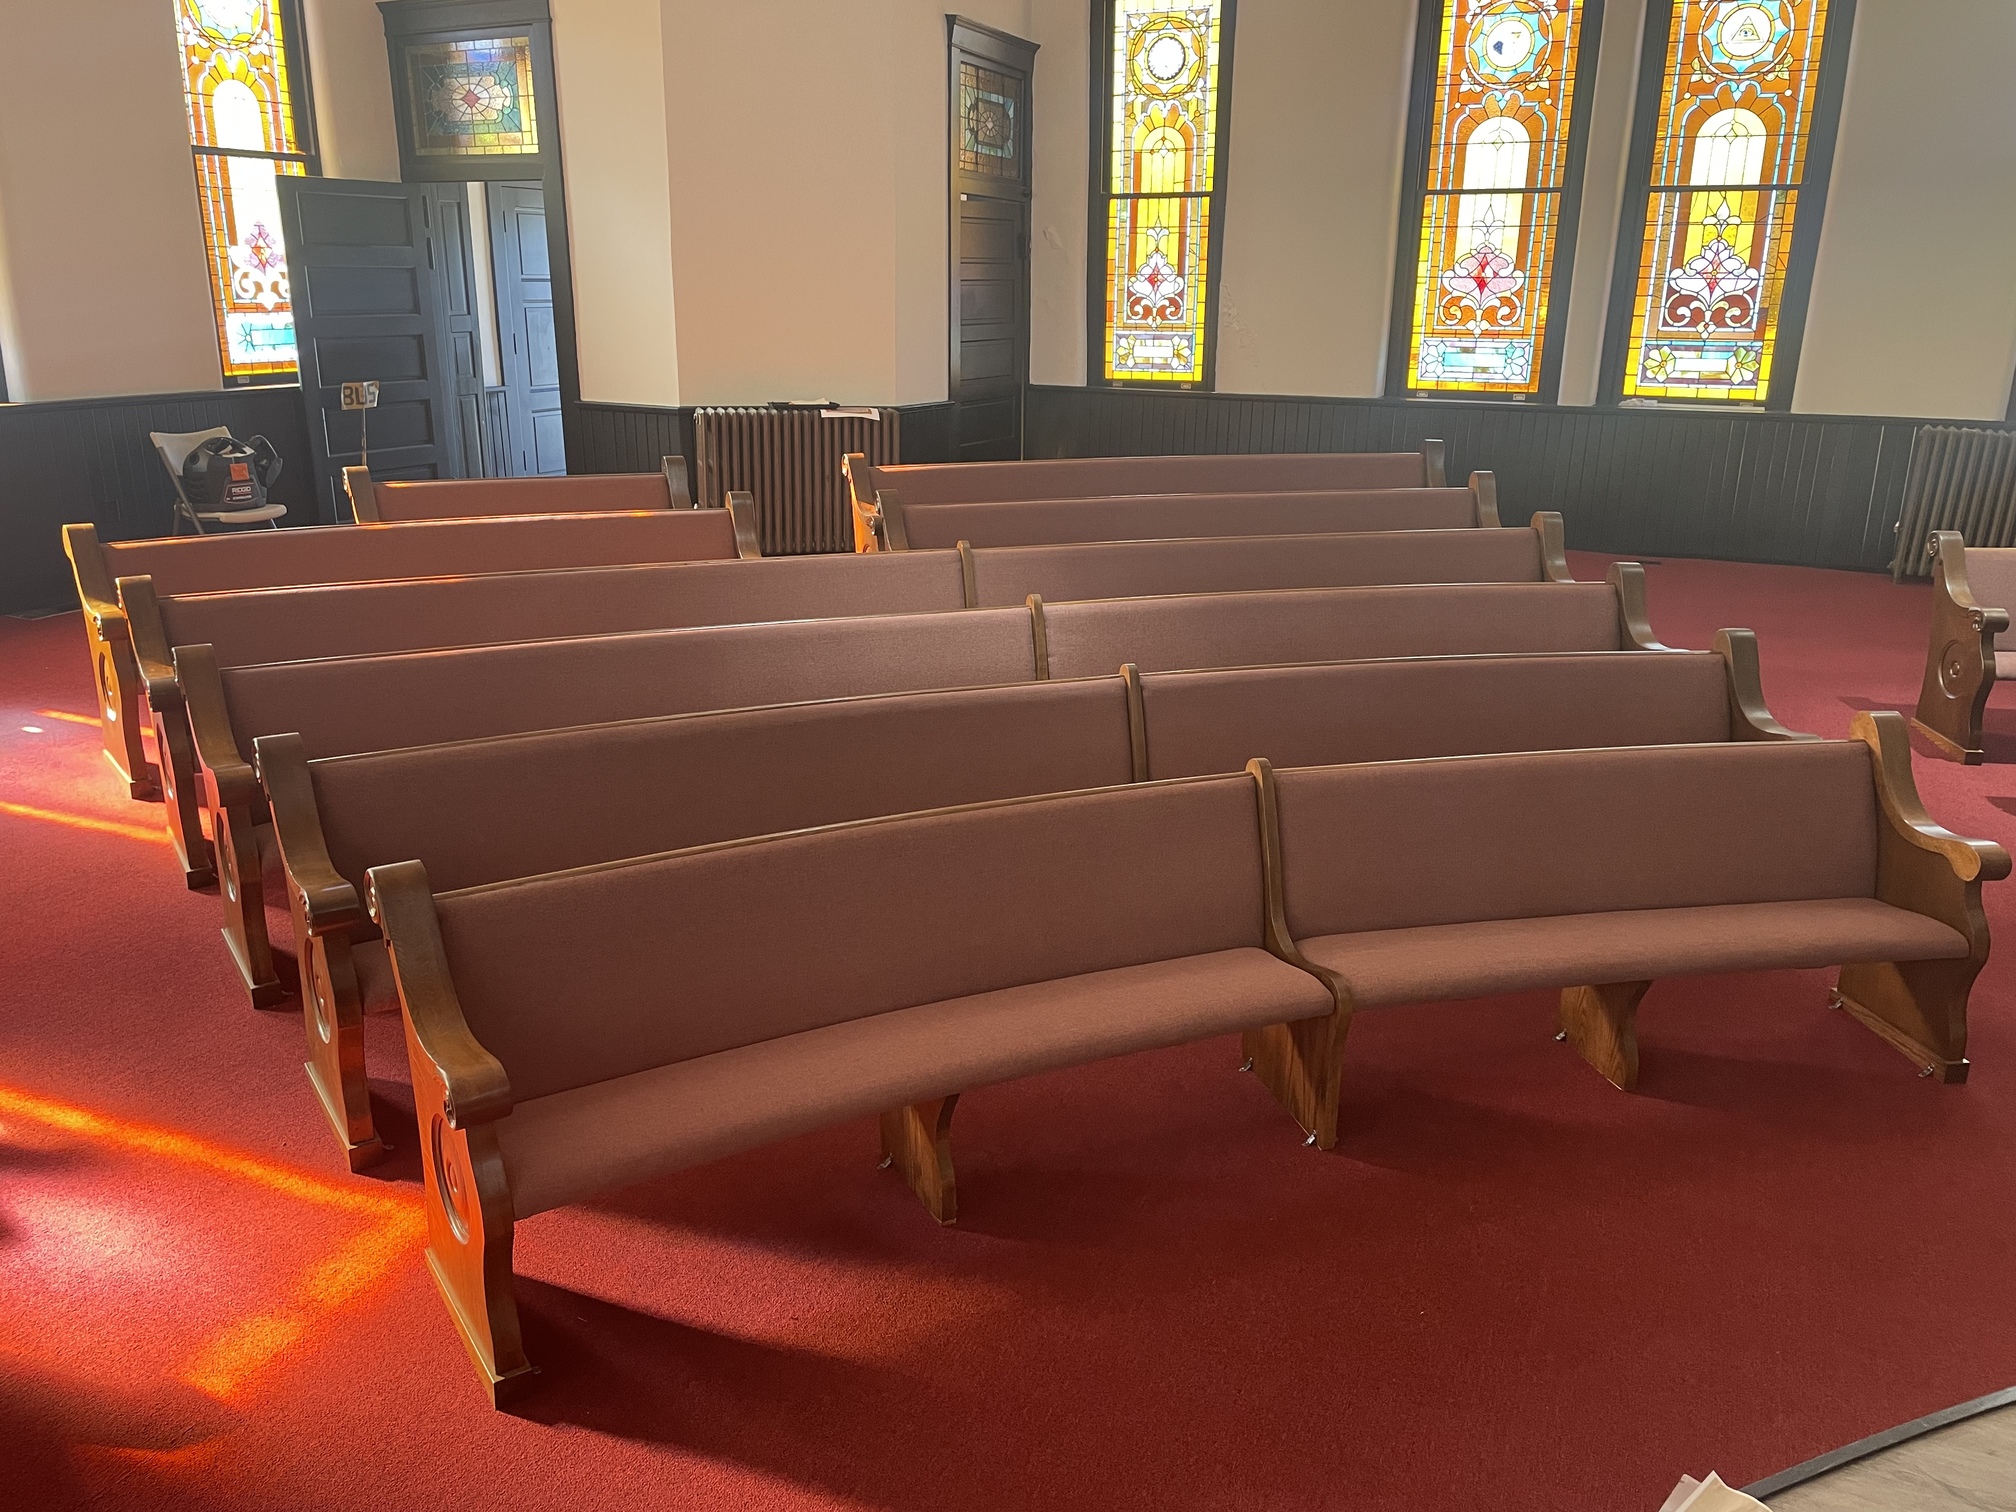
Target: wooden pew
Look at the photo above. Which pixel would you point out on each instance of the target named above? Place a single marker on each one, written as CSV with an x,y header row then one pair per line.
x,y
375,500
482,811
336,554
1152,517
1631,865
1097,477
365,703
1971,646
577,1032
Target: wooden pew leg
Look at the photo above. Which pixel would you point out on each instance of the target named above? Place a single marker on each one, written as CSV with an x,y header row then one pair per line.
x,y
332,1011
121,715
469,1233
236,841
917,1140
1302,1064
1919,1007
1602,1024
181,798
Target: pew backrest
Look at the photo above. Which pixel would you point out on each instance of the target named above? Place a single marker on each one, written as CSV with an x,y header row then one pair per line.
x,y
748,941
394,500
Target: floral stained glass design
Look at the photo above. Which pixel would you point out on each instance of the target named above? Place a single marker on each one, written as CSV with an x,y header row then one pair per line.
x,y
988,113
1162,188
473,99
1496,170
1728,159
245,131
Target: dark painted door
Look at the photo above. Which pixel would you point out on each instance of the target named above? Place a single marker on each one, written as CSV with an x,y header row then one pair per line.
x,y
531,363
990,240
455,298
360,259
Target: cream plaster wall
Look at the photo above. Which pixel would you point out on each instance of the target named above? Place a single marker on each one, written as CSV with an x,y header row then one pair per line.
x,y
103,284
353,89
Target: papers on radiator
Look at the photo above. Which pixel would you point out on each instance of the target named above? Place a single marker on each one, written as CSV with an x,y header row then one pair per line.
x,y
1710,1495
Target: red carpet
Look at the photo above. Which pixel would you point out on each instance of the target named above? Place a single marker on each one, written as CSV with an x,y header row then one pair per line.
x,y
1507,1274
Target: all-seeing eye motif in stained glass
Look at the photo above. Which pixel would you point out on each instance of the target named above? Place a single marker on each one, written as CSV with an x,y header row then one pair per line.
x,y
1729,154
473,98
1161,187
1496,170
243,127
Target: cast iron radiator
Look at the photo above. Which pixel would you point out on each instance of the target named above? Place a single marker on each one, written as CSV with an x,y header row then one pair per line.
x,y
790,460
1960,479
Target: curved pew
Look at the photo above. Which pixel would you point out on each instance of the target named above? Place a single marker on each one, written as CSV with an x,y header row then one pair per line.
x,y
1153,517
572,1033
488,810
337,554
1098,477
1971,645
374,500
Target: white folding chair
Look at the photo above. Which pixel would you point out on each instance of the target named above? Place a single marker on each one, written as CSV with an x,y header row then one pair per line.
x,y
173,448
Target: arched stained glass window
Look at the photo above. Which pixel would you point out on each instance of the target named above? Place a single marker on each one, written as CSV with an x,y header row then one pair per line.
x,y
242,82
1731,159
1494,172
1157,189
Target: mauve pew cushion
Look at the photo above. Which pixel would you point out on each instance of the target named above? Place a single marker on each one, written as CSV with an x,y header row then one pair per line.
x,y
1132,569
375,619
587,976
1991,578
378,703
488,810
361,553
1094,477
1329,624
569,1145
1322,713
1444,961
456,498
377,989
1405,844
1151,517
2005,663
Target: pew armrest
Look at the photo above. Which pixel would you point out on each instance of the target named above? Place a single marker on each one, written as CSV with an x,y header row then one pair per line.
x,y
742,514
96,592
150,641
1960,657
676,484
1750,718
1434,463
1274,889
1922,866
1634,625
229,774
1553,548
1484,490
328,902
477,1091
363,495
861,500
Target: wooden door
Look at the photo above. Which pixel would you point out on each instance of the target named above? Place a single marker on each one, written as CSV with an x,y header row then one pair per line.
x,y
361,259
455,297
990,74
525,332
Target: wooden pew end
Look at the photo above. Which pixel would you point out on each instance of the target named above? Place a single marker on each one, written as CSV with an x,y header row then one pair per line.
x,y
917,1141
1602,1024
1960,658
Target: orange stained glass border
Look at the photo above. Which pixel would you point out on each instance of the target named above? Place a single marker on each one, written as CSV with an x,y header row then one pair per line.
x,y
256,58
1463,100
1692,90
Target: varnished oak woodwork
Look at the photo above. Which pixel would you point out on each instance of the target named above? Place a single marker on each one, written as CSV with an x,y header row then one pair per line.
x,y
676,483
1960,659
1039,631
459,1092
326,913
861,502
113,668
1750,718
1301,1063
1434,463
1920,1007
969,588
1634,624
1484,489
917,1140
362,494
742,513
1553,548
181,793
1137,721
1602,1024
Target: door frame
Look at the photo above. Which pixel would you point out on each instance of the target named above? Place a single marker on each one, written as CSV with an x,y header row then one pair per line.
x,y
987,44
410,23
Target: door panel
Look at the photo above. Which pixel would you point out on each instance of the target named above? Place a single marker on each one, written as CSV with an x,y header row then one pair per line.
x,y
526,334
361,257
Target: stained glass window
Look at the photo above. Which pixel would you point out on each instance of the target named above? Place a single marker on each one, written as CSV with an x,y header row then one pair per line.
x,y
1161,187
988,112
1729,156
473,98
1494,177
246,128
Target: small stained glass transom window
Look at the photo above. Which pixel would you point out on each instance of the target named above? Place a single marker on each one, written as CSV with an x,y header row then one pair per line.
x,y
246,129
1495,175
1729,156
1162,188
473,99
989,113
